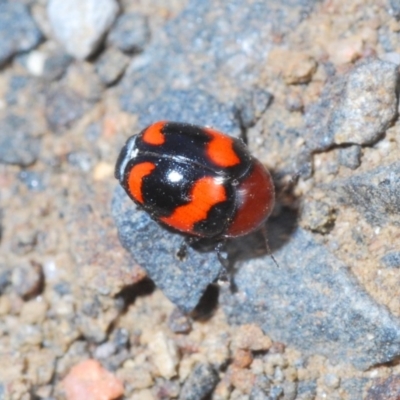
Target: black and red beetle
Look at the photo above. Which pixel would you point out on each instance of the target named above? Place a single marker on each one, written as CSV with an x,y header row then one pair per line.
x,y
196,180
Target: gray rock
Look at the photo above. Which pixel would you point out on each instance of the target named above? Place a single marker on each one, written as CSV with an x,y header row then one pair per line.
x,y
63,108
307,390
200,383
355,108
391,260
18,31
251,106
55,65
130,33
80,25
28,279
375,194
155,249
314,303
210,62
17,145
350,156
169,106
394,8
111,65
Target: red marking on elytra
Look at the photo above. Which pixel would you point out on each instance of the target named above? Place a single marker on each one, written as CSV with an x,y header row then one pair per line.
x,y
206,193
220,149
153,134
135,179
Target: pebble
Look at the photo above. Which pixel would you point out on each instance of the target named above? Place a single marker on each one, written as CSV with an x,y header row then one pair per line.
x,y
318,216
200,383
178,322
63,108
164,354
40,366
17,145
242,379
391,259
369,104
251,337
136,378
89,380
130,33
27,279
105,350
18,31
34,311
299,69
354,108
111,65
80,25
55,65
350,156
346,50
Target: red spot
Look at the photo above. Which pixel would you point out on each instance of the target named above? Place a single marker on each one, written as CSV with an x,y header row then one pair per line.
x,y
135,179
256,195
153,134
220,149
205,194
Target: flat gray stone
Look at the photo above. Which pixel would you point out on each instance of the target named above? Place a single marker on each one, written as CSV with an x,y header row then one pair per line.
x,y
155,250
375,194
314,303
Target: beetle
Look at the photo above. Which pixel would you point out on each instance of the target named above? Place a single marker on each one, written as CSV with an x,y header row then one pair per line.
x,y
196,180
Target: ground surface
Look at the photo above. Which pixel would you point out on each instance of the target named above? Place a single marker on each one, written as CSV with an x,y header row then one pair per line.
x,y
313,88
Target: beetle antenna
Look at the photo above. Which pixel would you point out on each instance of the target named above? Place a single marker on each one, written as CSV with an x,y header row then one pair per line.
x,y
269,252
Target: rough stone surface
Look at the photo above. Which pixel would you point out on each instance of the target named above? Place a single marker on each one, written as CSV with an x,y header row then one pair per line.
x,y
317,216
385,389
350,156
111,65
180,280
215,57
315,305
17,145
168,106
81,25
375,194
391,260
18,31
355,108
64,107
130,33
200,383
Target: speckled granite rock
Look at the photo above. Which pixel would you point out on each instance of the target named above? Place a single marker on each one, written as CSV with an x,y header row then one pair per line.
x,y
313,302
